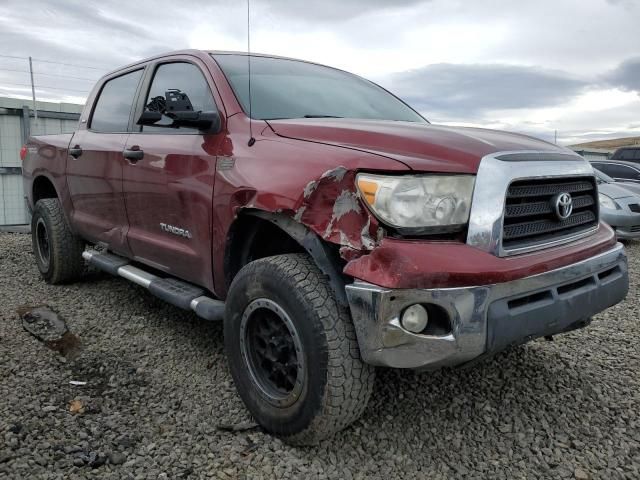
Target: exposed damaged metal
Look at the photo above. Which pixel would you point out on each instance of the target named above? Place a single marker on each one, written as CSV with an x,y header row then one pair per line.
x,y
330,207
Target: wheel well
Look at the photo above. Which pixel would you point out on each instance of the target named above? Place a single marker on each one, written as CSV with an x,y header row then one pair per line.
x,y
252,238
43,188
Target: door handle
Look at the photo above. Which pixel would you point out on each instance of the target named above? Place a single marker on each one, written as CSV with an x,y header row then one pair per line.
x,y
133,154
75,151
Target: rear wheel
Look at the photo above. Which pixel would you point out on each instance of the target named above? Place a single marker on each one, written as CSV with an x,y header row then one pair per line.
x,y
57,249
292,350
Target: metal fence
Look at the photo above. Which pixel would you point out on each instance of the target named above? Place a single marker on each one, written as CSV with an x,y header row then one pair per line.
x,y
17,123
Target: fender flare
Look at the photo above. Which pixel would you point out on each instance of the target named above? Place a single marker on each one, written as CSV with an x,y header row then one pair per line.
x,y
61,195
322,255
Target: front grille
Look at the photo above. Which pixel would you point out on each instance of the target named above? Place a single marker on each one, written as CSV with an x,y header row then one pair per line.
x,y
635,229
530,216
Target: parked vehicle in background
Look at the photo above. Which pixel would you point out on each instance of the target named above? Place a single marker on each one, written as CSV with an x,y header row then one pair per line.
x,y
628,154
619,170
633,187
619,206
328,224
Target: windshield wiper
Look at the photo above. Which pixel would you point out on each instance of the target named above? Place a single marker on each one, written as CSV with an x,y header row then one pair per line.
x,y
322,116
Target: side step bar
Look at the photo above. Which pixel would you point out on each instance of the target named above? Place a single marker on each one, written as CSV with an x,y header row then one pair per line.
x,y
171,290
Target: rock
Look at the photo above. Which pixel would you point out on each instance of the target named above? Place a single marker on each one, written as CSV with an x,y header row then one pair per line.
x,y
580,474
117,458
536,411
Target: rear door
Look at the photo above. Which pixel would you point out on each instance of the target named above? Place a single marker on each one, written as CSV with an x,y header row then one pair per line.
x,y
168,183
95,164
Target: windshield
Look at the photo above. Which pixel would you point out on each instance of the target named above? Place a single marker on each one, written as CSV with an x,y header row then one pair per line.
x,y
283,88
602,177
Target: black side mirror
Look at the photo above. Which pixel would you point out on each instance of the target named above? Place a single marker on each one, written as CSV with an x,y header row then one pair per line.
x,y
149,118
205,121
177,106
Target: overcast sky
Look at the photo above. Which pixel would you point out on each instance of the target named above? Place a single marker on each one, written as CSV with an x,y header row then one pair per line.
x,y
530,66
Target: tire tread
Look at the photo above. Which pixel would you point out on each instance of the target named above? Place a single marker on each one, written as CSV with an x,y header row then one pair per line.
x,y
349,381
66,263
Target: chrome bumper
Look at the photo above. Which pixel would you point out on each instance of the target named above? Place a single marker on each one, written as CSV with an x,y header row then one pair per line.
x,y
485,319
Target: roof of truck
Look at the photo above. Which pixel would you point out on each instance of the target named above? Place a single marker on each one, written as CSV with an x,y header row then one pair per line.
x,y
200,53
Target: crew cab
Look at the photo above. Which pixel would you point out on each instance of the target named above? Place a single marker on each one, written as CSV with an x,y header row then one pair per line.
x,y
330,226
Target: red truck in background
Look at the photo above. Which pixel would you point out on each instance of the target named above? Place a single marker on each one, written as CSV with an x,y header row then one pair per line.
x,y
328,224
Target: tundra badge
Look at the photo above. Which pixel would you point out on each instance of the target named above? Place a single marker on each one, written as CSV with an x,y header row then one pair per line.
x,y
181,232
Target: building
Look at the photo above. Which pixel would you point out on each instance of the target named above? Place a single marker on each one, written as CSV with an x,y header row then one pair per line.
x,y
603,149
593,153
17,122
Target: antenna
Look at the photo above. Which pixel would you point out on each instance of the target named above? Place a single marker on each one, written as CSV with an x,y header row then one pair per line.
x,y
251,139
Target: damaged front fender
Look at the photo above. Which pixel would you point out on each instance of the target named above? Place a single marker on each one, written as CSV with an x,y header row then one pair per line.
x,y
331,207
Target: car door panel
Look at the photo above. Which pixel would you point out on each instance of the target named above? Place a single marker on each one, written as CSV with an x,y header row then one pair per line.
x,y
168,192
94,181
168,200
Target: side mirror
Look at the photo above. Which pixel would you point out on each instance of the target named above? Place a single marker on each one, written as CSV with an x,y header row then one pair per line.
x,y
205,121
177,106
149,117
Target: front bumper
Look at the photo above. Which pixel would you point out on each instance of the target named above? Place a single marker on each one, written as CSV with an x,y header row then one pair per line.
x,y
483,320
625,222
628,233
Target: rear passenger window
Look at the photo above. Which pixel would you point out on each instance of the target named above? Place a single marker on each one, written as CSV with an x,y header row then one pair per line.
x,y
181,83
111,113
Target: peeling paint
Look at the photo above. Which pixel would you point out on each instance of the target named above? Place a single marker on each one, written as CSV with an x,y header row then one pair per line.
x,y
367,241
349,254
344,240
337,173
330,206
298,216
310,188
346,202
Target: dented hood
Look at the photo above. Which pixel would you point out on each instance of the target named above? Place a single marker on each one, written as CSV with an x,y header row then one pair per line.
x,y
420,146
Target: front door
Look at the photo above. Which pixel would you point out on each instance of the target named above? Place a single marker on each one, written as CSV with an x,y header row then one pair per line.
x,y
95,165
168,179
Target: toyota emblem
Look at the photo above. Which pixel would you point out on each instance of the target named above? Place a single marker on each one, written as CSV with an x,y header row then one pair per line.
x,y
563,205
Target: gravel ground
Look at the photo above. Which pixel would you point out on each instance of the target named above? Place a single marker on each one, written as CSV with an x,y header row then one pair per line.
x,y
159,388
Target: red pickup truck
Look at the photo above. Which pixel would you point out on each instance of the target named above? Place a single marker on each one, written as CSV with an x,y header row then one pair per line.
x,y
328,224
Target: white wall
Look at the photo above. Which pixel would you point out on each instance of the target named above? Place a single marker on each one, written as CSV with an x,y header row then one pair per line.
x,y
13,210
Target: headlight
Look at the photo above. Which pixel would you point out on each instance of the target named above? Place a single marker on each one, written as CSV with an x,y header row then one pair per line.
x,y
607,202
429,203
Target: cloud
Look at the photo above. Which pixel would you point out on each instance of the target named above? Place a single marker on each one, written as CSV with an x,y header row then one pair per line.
x,y
629,4
626,76
453,92
528,66
332,10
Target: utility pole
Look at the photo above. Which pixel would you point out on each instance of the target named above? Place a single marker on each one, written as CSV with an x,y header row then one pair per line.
x,y
555,137
33,90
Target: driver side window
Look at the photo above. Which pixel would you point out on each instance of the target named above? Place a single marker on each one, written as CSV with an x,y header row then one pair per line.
x,y
177,86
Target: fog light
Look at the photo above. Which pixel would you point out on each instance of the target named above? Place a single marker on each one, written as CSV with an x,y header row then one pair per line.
x,y
415,318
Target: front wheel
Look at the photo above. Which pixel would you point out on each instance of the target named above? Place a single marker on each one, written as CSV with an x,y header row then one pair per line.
x,y
57,249
292,350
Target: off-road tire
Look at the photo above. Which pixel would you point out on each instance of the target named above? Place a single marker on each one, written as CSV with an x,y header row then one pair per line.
x,y
64,263
337,383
